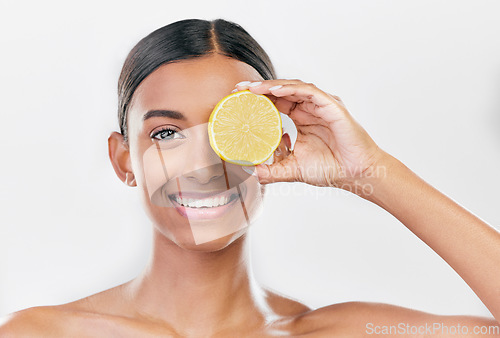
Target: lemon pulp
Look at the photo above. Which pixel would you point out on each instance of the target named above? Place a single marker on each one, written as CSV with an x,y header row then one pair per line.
x,y
245,128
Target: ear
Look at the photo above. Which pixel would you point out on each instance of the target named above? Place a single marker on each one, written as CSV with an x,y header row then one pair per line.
x,y
283,149
119,155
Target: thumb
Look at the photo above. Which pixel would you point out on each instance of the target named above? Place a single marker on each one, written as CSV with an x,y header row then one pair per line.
x,y
281,171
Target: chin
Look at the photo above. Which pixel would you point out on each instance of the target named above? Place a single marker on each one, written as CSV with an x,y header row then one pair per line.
x,y
219,243
186,241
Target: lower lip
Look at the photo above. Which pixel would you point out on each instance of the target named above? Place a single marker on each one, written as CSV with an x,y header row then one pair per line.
x,y
204,213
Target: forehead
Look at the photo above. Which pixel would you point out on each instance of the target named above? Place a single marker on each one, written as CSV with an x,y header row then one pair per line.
x,y
191,86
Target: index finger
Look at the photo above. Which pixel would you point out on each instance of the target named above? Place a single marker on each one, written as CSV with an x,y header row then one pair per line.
x,y
314,101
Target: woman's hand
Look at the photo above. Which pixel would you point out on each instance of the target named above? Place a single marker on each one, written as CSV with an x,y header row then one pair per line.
x,y
332,149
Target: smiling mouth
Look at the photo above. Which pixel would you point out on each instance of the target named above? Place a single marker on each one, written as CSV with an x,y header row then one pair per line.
x,y
189,200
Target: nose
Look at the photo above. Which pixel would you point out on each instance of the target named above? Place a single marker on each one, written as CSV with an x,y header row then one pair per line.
x,y
202,163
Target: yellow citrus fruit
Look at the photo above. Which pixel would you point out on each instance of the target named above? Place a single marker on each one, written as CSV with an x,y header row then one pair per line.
x,y
245,128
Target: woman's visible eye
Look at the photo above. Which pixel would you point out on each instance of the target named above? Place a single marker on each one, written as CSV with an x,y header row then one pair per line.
x,y
166,133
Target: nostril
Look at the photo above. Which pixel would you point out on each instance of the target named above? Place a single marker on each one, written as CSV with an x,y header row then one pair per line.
x,y
206,174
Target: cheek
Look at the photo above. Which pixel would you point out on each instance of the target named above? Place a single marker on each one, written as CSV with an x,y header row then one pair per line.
x,y
154,173
151,176
158,169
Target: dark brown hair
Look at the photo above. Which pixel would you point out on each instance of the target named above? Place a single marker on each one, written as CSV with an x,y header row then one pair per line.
x,y
187,39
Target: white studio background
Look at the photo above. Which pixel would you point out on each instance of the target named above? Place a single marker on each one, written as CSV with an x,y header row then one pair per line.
x,y
422,77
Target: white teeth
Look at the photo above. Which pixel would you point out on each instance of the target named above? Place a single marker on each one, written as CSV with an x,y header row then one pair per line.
x,y
198,203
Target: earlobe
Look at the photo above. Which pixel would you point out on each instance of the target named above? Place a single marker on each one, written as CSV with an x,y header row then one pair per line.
x,y
120,158
130,180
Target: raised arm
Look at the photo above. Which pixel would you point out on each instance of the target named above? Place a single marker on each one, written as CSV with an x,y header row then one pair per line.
x,y
467,243
332,149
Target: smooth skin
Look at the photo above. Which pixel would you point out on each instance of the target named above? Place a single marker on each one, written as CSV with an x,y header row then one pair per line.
x,y
210,291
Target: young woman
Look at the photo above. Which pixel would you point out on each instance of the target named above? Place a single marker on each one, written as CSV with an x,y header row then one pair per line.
x,y
170,82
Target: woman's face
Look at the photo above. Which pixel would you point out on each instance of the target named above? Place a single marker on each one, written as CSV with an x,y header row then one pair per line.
x,y
193,197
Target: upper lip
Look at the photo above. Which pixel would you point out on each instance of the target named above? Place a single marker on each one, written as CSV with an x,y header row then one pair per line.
x,y
202,195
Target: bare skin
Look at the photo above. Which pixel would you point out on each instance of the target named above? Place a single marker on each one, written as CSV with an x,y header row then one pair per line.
x,y
208,290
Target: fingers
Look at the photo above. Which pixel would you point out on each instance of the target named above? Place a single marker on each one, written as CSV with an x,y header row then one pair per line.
x,y
282,171
290,95
303,118
292,90
283,105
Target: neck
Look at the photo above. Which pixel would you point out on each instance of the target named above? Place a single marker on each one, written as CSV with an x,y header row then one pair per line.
x,y
200,292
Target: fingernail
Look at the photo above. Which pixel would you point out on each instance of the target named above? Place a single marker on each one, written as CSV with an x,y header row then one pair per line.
x,y
276,87
253,84
243,83
234,90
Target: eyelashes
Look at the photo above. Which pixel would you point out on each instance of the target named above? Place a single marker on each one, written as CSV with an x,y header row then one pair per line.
x,y
165,134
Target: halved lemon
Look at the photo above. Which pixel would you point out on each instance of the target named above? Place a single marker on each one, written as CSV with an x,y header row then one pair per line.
x,y
245,128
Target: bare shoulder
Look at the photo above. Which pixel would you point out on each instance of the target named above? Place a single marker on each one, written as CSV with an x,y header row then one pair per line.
x,y
75,320
358,319
35,321
55,320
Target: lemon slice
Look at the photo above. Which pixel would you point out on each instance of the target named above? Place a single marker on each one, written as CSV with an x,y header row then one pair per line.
x,y
245,128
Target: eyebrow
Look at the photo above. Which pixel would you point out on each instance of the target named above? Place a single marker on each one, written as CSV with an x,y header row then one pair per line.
x,y
164,113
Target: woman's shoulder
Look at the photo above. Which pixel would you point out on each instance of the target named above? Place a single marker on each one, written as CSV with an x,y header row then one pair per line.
x,y
59,320
360,319
74,320
46,320
345,319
